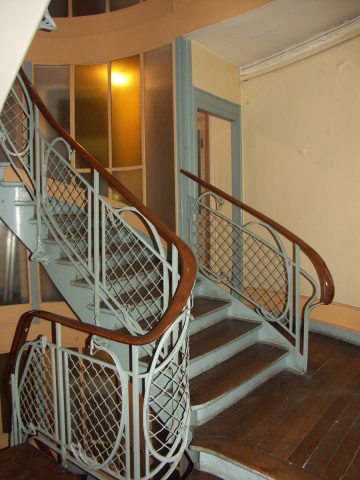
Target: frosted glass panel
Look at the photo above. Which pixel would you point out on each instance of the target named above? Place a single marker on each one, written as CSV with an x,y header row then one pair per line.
x,y
119,4
126,117
53,86
159,134
13,269
59,8
132,180
88,7
91,111
49,293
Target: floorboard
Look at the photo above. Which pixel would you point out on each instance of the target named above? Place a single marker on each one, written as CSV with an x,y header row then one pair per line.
x,y
311,422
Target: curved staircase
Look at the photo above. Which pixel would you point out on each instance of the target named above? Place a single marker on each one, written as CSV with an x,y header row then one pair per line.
x,y
129,279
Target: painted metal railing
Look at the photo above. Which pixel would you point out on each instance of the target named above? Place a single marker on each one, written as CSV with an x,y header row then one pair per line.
x,y
258,260
110,420
137,269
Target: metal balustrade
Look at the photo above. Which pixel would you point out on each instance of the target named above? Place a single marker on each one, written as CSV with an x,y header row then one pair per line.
x,y
99,415
126,416
259,261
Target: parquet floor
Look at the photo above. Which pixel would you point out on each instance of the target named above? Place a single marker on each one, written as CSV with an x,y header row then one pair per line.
x,y
298,426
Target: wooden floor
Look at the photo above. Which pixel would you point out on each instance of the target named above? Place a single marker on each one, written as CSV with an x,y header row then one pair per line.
x,y
298,426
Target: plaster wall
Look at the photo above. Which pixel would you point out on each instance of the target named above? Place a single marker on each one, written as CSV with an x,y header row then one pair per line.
x,y
215,74
301,147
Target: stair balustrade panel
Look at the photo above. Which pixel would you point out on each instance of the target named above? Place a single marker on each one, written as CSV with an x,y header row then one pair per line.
x,y
101,416
259,261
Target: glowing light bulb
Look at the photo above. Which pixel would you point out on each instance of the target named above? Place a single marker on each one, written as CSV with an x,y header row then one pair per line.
x,y
120,79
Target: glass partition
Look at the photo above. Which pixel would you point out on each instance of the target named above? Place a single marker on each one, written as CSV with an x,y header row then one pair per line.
x,y
53,86
159,133
88,7
119,4
91,111
126,112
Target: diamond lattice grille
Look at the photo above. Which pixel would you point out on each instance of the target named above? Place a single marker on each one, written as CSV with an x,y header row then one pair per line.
x,y
16,121
36,393
67,202
95,407
242,260
168,401
134,274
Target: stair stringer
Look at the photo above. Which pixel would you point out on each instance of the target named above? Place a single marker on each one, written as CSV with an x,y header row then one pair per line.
x,y
267,333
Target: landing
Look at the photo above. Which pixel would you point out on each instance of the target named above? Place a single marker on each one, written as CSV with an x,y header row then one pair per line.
x,y
297,426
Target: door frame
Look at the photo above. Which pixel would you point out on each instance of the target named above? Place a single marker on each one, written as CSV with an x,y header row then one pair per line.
x,y
188,100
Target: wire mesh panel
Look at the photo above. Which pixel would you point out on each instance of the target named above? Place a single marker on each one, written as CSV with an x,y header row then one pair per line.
x,y
167,398
16,120
94,410
247,258
37,391
136,271
67,200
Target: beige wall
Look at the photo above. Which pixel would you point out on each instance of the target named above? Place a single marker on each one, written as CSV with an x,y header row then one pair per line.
x,y
146,26
214,74
301,147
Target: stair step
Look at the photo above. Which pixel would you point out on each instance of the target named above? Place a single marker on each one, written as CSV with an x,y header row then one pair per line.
x,y
220,454
204,305
220,334
26,462
225,377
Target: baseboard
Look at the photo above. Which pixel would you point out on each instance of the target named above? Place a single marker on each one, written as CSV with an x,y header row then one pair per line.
x,y
335,332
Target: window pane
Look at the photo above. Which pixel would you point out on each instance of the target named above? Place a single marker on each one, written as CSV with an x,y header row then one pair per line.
x,y
132,180
88,7
91,111
13,269
53,86
119,4
49,293
159,134
59,8
126,116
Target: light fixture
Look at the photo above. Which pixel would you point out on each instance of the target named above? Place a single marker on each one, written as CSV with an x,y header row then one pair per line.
x,y
120,79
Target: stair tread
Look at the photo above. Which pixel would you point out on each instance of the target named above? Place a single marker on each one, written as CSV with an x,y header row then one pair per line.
x,y
204,304
218,335
198,475
25,462
228,375
250,458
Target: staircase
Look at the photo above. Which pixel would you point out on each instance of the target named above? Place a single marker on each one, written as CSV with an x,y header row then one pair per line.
x,y
129,280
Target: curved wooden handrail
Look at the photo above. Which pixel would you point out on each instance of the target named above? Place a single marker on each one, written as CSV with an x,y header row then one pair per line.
x,y
327,288
188,264
24,324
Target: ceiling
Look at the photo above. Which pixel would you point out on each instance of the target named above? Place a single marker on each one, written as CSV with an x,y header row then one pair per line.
x,y
274,27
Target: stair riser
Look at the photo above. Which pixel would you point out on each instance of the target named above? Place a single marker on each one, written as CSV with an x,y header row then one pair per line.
x,y
215,357
202,413
207,320
226,470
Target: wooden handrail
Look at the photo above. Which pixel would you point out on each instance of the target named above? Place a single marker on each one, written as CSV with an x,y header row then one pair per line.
x,y
188,266
325,279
